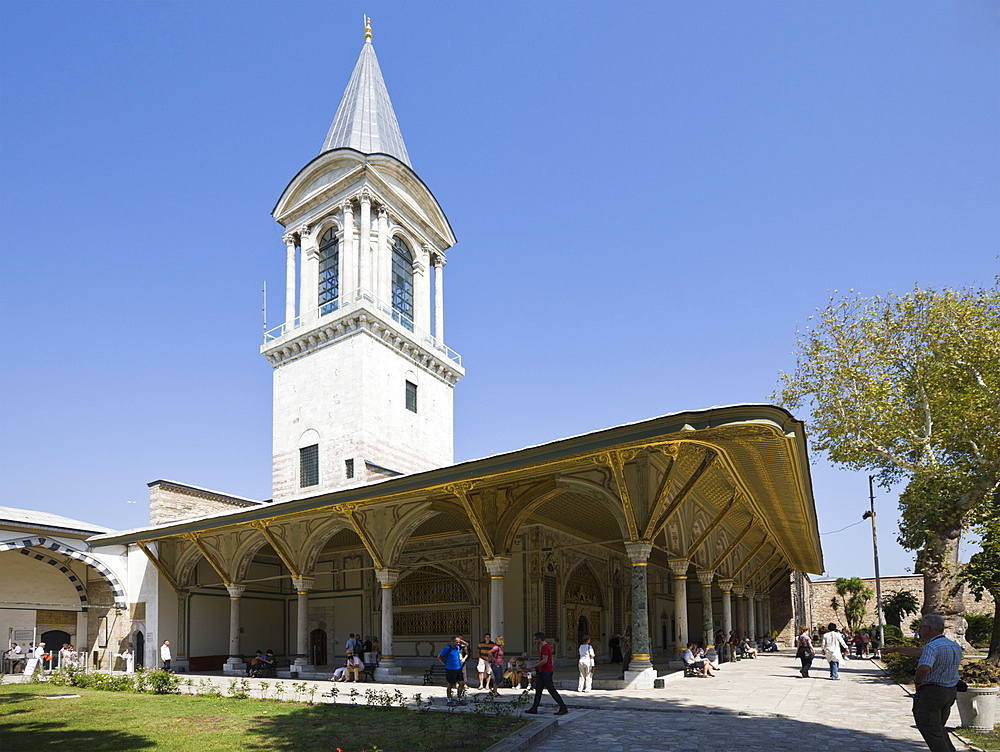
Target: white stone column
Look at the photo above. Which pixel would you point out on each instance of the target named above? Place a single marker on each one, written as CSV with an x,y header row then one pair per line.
x,y
302,587
387,667
640,673
365,246
705,577
679,567
383,259
235,665
309,291
497,567
82,639
439,299
740,620
422,290
349,257
289,239
758,607
751,615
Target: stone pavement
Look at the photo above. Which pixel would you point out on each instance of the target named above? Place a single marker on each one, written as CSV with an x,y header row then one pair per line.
x,y
751,706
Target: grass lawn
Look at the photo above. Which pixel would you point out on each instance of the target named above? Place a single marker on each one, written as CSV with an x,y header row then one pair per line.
x,y
98,721
982,739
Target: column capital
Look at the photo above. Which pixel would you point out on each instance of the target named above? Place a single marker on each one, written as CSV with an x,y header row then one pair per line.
x,y
365,197
235,591
706,576
726,585
739,590
347,206
439,259
302,584
387,578
289,239
304,232
638,552
678,566
382,213
497,566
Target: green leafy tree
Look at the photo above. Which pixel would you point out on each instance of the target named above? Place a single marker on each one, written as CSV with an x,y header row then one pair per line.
x,y
982,573
908,387
854,595
897,605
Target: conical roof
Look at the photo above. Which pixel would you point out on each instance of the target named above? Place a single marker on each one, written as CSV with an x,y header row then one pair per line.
x,y
365,120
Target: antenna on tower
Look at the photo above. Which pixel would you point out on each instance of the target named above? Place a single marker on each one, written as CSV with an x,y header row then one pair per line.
x,y
264,306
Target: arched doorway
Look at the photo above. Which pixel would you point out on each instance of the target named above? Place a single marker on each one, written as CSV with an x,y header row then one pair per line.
x,y
140,649
584,608
317,647
54,639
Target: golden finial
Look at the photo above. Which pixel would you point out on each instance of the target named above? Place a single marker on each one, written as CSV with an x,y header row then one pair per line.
x,y
368,29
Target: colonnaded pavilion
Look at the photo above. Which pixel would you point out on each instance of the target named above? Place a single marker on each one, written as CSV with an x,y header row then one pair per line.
x,y
666,529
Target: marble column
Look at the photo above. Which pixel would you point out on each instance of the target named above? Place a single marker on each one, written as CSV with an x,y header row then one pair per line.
x,y
365,246
727,606
289,239
422,290
235,665
309,282
302,587
705,577
751,615
740,620
758,607
439,299
348,256
679,567
640,673
497,567
387,667
382,261
181,643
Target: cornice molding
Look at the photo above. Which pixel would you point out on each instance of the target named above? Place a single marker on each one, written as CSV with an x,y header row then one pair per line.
x,y
365,322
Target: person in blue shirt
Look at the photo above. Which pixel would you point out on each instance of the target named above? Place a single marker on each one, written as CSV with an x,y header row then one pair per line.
x,y
935,680
453,657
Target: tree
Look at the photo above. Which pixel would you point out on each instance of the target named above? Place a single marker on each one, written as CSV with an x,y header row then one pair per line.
x,y
982,573
908,387
897,605
855,596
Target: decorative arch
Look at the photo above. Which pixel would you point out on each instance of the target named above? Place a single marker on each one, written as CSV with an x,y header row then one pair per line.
x,y
583,586
116,587
431,599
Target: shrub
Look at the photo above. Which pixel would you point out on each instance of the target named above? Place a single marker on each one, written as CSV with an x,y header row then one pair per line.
x,y
980,629
162,682
900,667
979,673
894,637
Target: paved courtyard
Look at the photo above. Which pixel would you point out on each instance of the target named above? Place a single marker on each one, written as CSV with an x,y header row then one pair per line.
x,y
752,706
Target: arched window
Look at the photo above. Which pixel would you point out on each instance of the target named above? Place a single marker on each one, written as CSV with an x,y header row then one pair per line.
x,y
402,284
329,272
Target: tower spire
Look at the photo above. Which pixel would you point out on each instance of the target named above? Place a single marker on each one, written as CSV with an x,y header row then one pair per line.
x,y
365,119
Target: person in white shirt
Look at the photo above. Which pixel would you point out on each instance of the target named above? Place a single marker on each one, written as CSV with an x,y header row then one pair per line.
x,y
165,656
586,664
694,661
40,651
15,655
834,646
128,655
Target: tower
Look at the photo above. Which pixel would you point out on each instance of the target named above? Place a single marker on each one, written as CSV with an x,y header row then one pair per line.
x,y
363,382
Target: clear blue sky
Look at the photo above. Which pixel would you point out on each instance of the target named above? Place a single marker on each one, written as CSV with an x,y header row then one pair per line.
x,y
649,199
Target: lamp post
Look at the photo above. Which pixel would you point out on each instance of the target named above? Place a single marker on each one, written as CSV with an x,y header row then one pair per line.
x,y
878,582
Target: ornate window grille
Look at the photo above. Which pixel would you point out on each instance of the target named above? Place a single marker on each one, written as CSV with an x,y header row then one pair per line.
x,y
309,466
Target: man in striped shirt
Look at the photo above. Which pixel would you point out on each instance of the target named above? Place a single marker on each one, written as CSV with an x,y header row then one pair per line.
x,y
936,677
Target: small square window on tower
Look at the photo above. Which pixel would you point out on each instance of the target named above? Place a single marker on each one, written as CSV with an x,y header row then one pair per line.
x,y
309,466
411,396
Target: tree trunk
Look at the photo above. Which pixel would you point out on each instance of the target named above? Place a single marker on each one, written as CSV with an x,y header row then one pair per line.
x,y
939,565
994,654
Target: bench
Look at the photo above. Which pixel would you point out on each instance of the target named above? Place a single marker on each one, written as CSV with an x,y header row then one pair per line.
x,y
691,670
368,672
435,669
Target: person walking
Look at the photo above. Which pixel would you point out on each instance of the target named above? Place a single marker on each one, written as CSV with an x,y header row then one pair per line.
x,y
496,664
165,656
543,677
834,646
586,665
935,680
804,651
